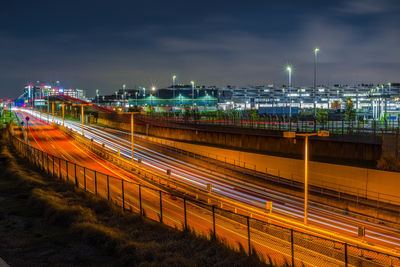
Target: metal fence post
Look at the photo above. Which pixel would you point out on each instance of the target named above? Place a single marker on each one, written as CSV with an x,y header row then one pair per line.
x,y
84,178
161,214
140,200
184,209
122,194
95,182
248,234
47,159
59,168
213,214
292,245
345,255
76,178
108,187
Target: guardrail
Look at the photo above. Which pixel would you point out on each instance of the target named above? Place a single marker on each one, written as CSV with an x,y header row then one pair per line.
x,y
282,123
277,244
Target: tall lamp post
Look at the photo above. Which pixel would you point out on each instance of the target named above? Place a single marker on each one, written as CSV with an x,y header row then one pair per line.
x,y
192,83
306,135
132,129
48,105
289,70
173,88
63,112
82,114
316,50
123,90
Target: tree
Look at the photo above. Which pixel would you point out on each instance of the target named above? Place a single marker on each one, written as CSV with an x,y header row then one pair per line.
x,y
350,112
322,117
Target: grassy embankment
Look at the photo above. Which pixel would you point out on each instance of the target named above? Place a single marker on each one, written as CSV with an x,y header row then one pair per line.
x,y
46,222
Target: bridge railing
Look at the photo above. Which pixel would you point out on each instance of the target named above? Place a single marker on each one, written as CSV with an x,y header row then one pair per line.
x,y
337,126
253,235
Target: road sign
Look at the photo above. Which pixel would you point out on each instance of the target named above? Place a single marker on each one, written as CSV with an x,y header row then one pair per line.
x,y
323,133
27,118
289,134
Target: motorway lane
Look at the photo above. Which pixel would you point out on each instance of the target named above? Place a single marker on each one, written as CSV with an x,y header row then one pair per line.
x,y
200,219
51,140
255,195
240,191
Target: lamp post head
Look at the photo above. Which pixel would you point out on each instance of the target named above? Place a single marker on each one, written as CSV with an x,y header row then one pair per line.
x,y
316,50
174,77
153,88
289,69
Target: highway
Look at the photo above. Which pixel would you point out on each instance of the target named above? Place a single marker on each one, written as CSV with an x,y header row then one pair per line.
x,y
52,140
250,194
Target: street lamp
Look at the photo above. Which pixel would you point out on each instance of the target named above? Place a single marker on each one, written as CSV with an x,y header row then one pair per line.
x,y
48,105
63,107
123,90
316,50
173,88
306,135
153,89
289,70
192,82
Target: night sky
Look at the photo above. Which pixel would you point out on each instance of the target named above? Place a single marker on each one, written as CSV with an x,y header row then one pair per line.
x,y
103,44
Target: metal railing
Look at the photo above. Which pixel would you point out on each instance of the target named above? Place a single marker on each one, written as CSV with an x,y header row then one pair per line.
x,y
338,126
276,244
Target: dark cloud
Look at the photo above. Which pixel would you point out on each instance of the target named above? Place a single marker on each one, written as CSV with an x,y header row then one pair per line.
x,y
102,44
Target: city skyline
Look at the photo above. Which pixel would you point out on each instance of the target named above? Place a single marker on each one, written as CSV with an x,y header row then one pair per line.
x,y
215,44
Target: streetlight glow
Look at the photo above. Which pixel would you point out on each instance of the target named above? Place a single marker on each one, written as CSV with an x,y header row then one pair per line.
x,y
192,82
289,69
316,50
